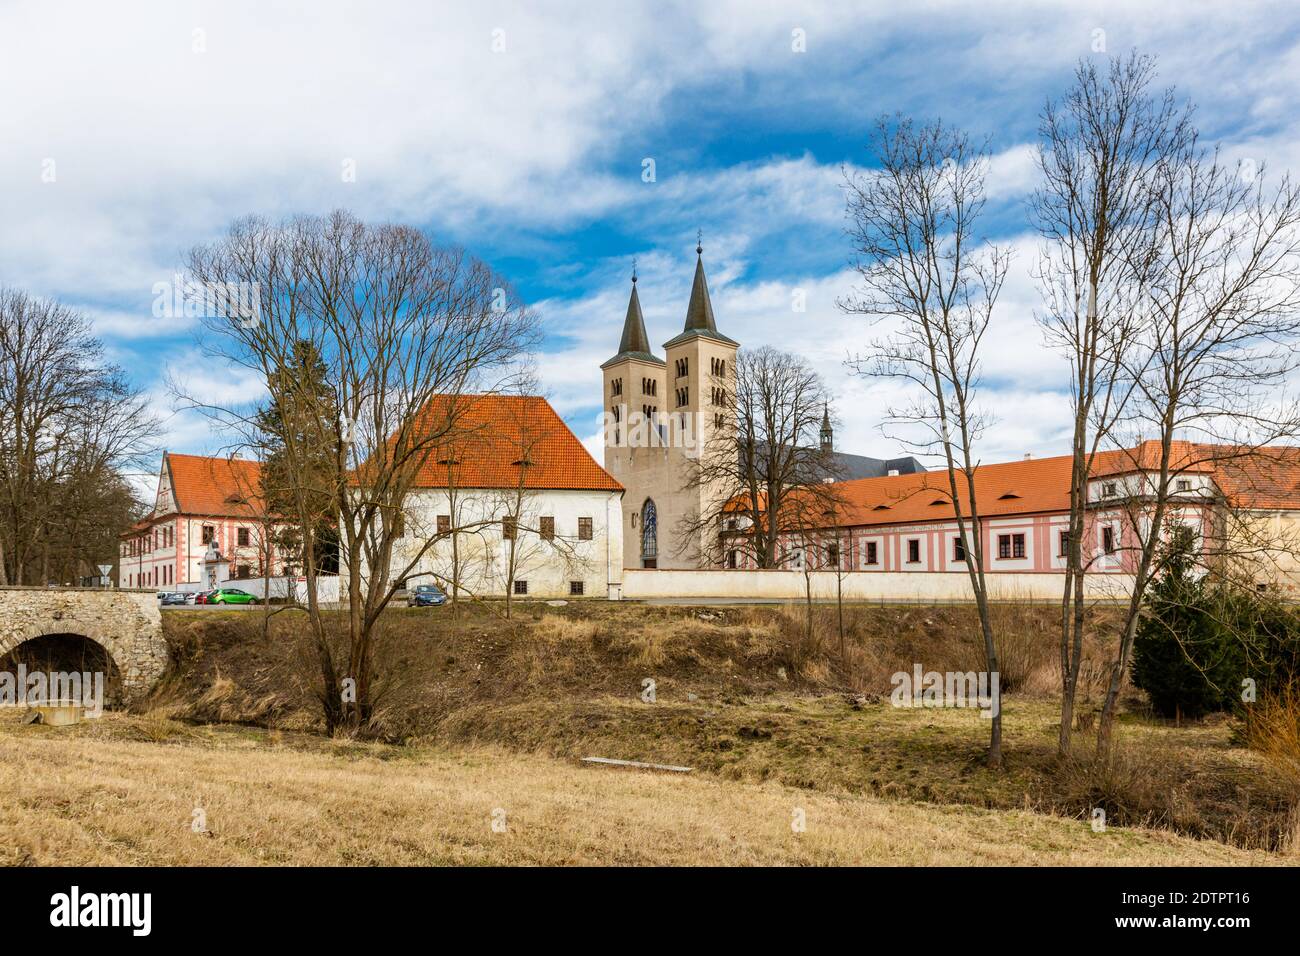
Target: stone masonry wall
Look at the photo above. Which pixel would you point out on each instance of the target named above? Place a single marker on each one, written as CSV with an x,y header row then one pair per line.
x,y
127,624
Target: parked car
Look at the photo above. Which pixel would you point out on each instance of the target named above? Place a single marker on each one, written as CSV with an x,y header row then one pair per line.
x,y
203,596
172,598
231,596
425,595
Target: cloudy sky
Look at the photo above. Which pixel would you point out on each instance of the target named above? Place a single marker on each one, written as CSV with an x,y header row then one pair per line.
x,y
522,131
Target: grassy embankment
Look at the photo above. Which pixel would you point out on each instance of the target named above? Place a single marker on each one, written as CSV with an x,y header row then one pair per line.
x,y
480,714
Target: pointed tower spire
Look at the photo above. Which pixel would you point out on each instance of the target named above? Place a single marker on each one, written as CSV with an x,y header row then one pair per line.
x,y
635,343
828,436
699,314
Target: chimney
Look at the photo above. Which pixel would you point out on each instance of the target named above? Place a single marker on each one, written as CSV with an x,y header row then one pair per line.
x,y
1028,455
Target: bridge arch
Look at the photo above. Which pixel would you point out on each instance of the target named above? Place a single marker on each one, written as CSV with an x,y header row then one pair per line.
x,y
126,624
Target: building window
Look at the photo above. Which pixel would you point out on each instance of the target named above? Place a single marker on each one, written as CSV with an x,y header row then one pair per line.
x,y
584,529
521,587
209,533
616,386
732,560
1108,540
958,549
683,367
575,588
833,555
1184,484
546,527
444,524
871,557
1064,538
508,528
1109,489
913,550
649,534
1011,546
242,537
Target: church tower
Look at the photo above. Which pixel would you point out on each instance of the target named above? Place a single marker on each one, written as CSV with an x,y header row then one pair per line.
x,y
660,416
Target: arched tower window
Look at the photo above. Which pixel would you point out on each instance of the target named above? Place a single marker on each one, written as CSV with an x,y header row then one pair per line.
x,y
649,534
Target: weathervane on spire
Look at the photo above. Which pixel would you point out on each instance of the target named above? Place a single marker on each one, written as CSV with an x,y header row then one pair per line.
x,y
634,270
699,242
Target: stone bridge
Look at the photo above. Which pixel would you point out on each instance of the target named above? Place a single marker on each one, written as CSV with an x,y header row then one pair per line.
x,y
126,624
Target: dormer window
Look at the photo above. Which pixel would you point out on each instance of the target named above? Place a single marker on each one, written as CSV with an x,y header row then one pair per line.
x,y
1109,489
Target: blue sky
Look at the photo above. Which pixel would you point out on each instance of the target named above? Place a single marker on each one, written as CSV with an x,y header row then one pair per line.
x,y
164,126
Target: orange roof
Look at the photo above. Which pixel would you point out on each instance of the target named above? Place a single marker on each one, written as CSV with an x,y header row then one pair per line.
x,y
1184,458
1248,478
501,439
1266,478
219,487
1017,487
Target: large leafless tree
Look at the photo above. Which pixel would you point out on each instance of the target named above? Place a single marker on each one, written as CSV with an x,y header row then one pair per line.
x,y
1096,211
926,273
755,466
71,427
407,331
1220,341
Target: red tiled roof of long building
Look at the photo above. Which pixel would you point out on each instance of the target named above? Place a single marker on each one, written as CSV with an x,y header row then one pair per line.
x,y
1266,478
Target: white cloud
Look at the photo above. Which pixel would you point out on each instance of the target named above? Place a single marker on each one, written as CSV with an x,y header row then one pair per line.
x,y
157,146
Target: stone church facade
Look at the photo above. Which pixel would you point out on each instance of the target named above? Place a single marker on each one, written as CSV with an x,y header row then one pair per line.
x,y
661,412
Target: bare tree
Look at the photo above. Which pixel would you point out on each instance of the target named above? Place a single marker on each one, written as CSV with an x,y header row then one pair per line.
x,y
70,424
772,452
1096,212
925,271
406,331
1220,330
809,540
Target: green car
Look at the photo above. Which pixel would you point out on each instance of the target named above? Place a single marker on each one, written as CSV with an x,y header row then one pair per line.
x,y
231,596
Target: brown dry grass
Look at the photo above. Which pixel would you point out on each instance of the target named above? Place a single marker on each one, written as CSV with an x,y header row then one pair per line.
x,y
118,791
744,694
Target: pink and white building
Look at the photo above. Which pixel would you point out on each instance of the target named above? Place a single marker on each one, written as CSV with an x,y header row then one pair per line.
x,y
906,523
207,524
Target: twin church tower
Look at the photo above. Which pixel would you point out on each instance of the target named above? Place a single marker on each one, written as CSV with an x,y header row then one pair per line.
x,y
661,413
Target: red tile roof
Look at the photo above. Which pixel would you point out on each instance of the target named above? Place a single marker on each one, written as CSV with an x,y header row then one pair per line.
x,y
1017,487
217,487
1184,458
501,438
1266,478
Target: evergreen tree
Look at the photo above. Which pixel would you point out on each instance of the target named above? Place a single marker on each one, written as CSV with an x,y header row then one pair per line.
x,y
292,416
1187,655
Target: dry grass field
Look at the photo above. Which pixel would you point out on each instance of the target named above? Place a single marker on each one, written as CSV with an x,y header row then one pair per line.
x,y
479,713
124,790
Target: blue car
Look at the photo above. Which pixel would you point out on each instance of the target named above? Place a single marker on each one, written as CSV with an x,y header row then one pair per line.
x,y
425,595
